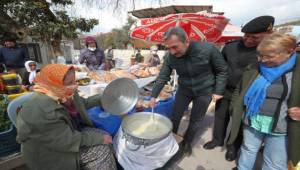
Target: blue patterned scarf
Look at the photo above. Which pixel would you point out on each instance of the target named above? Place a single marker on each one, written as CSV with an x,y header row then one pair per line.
x,y
256,94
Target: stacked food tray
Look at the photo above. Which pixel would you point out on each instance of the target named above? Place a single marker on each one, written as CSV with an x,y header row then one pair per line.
x,y
11,84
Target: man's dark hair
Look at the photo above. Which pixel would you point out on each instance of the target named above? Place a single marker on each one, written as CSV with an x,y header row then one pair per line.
x,y
178,31
10,37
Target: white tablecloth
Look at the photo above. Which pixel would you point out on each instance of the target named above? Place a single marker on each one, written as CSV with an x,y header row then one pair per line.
x,y
86,91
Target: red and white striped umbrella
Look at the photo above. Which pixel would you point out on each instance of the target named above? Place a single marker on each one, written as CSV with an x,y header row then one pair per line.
x,y
198,26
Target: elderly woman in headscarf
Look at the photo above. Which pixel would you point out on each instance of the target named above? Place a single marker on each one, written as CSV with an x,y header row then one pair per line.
x,y
54,129
267,103
31,71
92,55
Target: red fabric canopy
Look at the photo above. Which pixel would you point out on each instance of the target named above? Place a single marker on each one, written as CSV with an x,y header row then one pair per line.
x,y
198,26
231,32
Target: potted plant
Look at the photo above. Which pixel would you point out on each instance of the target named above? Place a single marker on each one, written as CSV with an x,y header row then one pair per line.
x,y
8,132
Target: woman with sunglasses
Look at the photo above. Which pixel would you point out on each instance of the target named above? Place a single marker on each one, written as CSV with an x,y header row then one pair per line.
x,y
266,103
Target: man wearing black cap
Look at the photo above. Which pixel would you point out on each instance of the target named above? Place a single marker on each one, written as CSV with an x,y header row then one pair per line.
x,y
238,55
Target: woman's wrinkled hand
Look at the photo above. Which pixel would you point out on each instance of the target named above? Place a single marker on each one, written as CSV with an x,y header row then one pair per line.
x,y
294,113
107,139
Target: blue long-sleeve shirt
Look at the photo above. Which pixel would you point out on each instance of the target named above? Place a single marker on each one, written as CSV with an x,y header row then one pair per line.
x,y
13,58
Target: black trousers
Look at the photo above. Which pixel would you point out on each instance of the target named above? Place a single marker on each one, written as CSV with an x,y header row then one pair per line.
x,y
200,104
222,117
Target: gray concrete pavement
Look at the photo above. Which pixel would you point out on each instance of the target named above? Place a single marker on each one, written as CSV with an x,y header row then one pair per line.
x,y
202,159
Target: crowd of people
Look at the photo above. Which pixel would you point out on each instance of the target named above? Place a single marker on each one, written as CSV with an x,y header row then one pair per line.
x,y
151,59
254,81
238,54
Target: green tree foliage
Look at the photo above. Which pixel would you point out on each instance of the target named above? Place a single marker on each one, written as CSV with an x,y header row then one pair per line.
x,y
296,23
4,120
118,37
45,19
40,20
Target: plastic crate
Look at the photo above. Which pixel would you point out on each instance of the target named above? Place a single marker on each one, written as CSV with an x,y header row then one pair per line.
x,y
163,107
8,143
105,121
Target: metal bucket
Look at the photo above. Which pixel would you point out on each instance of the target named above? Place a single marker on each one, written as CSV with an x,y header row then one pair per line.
x,y
130,122
120,96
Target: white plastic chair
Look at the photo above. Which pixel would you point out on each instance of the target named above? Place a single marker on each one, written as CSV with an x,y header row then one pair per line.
x,y
14,105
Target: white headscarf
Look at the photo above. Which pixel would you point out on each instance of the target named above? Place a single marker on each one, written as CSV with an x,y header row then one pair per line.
x,y
32,74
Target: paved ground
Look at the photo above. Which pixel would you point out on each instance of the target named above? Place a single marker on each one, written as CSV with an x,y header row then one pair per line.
x,y
202,159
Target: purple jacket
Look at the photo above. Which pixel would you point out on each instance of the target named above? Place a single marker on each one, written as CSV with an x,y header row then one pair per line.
x,y
93,59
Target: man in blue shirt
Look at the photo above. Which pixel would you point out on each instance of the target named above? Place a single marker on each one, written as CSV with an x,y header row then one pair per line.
x,y
13,56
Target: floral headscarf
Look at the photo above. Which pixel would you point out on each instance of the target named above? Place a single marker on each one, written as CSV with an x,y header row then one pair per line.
x,y
50,81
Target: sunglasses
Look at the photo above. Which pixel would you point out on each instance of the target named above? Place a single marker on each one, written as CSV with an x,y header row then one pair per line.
x,y
31,65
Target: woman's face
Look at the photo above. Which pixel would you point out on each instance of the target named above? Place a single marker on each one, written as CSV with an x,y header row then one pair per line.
x,y
92,45
32,66
272,58
69,79
70,83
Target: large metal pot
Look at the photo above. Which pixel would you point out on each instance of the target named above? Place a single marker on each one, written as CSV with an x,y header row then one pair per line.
x,y
133,121
120,96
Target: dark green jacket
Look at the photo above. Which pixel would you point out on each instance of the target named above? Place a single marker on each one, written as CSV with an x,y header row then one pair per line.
x,y
139,58
238,109
202,70
238,57
48,139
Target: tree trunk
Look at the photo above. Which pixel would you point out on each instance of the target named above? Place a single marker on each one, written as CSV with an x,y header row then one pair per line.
x,y
56,47
8,25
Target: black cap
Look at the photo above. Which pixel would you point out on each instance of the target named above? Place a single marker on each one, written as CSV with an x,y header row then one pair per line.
x,y
259,24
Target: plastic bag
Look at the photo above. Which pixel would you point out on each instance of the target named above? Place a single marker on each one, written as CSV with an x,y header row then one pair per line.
x,y
144,158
